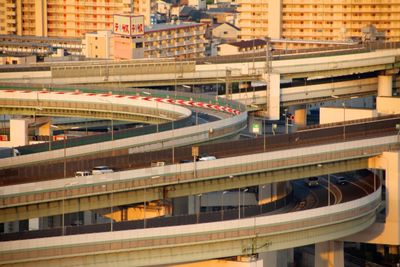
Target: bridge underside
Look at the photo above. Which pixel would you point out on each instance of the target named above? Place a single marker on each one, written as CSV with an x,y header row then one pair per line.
x,y
88,110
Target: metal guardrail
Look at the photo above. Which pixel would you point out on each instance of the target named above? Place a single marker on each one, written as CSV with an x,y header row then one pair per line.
x,y
243,236
164,221
121,133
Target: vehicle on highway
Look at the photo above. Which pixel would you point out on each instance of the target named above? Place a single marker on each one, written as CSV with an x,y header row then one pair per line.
x,y
83,173
157,163
185,161
101,170
338,179
206,158
312,181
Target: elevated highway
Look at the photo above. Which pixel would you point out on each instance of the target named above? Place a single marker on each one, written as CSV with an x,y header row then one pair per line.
x,y
235,69
154,109
49,198
303,155
149,247
382,59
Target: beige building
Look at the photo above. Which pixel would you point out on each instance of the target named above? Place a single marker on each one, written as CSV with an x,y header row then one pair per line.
x,y
330,20
17,59
226,31
183,40
68,18
98,45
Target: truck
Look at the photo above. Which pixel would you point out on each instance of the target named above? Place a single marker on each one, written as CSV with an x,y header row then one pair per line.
x,y
7,152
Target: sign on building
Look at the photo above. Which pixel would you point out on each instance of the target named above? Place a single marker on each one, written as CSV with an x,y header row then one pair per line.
x,y
128,25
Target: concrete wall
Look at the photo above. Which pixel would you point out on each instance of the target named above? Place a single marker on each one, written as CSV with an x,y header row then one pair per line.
x,y
99,45
388,105
335,114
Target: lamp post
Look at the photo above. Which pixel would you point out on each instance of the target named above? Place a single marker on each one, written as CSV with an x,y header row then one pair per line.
x,y
344,120
329,185
242,201
144,208
344,113
263,128
63,206
64,144
199,207
111,205
222,205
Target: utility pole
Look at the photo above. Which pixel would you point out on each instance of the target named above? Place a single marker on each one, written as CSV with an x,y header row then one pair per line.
x,y
268,68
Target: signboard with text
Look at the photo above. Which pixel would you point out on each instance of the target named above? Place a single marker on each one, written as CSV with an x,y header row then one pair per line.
x,y
128,25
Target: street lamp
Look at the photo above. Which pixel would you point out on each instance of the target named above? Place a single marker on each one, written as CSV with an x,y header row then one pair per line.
x,y
63,204
286,121
144,207
65,145
329,185
199,207
111,205
244,191
222,205
344,113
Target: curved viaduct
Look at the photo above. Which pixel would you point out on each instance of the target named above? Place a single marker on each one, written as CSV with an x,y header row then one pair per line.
x,y
203,241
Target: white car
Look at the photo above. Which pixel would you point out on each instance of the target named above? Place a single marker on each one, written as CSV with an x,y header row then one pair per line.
x,y
205,158
101,170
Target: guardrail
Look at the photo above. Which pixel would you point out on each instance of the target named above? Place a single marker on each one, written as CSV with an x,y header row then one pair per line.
x,y
217,239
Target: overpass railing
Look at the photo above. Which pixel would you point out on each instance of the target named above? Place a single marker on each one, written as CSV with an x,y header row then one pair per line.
x,y
127,133
269,232
164,221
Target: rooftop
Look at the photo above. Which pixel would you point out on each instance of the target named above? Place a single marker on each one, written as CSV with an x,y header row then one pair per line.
x,y
248,43
169,26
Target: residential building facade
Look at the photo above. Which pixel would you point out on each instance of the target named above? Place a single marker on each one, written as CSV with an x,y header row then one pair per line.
x,y
330,20
69,18
183,40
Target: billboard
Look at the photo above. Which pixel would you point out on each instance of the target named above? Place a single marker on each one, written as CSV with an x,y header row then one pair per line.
x,y
128,25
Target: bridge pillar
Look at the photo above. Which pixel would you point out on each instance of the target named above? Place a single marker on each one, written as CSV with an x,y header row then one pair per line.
x,y
300,116
19,132
329,254
277,258
385,85
386,230
273,95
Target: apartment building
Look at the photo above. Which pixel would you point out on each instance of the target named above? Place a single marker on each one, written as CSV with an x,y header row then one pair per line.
x,y
181,40
330,20
68,18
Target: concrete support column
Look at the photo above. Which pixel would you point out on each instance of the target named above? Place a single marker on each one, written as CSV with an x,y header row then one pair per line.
x,y
385,85
284,257
18,132
273,95
387,232
300,116
329,254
